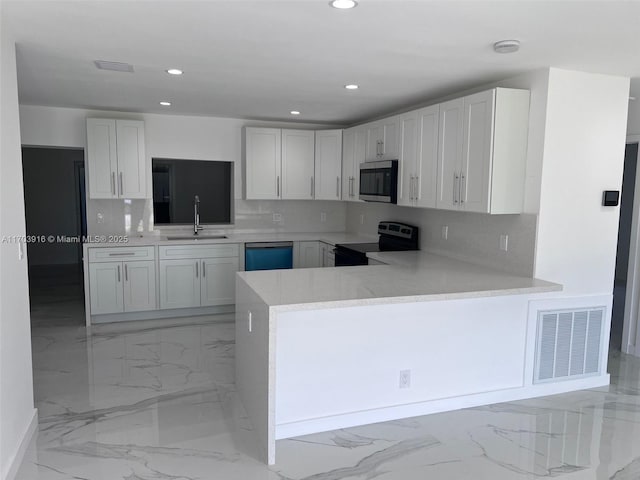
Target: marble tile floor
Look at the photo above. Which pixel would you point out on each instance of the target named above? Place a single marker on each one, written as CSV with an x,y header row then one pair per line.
x,y
156,400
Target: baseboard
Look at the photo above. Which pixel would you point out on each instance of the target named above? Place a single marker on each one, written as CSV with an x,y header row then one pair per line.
x,y
16,461
396,412
159,314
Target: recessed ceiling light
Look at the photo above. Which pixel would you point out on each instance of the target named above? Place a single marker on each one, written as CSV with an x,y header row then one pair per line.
x,y
343,4
294,112
165,104
351,86
175,71
506,46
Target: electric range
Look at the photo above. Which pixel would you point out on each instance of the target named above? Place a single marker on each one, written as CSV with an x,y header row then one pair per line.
x,y
393,236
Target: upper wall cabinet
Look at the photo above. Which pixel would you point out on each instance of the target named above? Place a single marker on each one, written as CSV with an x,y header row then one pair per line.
x,y
482,152
279,164
292,164
418,157
263,167
353,153
382,140
328,165
116,161
298,150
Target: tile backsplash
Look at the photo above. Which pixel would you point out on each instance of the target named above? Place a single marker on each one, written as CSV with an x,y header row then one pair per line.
x,y
129,216
472,237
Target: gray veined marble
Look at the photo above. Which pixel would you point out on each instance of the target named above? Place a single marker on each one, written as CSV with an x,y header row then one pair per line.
x,y
156,400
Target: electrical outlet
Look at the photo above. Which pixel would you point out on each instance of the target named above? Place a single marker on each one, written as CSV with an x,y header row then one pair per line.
x,y
323,217
99,218
405,379
277,217
362,219
504,242
445,232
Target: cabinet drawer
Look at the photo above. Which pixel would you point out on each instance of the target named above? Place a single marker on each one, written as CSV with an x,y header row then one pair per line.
x,y
120,254
199,251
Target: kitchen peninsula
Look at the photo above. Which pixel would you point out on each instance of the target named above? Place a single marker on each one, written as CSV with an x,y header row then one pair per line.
x,y
322,349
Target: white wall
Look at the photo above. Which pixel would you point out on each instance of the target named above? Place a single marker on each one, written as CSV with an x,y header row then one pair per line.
x,y
583,155
16,383
633,122
177,136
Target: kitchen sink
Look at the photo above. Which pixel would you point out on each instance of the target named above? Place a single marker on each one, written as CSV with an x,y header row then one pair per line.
x,y
197,237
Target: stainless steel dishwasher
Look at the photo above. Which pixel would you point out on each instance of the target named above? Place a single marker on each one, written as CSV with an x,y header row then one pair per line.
x,y
268,255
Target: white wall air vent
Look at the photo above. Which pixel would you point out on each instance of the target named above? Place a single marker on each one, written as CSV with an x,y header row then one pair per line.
x,y
114,66
569,344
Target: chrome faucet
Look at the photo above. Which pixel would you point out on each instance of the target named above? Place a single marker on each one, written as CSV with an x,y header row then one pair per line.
x,y
196,215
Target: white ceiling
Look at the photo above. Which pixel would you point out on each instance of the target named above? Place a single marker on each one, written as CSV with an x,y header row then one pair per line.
x,y
262,58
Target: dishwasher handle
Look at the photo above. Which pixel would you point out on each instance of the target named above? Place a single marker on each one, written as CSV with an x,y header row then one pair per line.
x,y
250,246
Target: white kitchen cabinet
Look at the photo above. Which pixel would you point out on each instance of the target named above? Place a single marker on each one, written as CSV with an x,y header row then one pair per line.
x,y
382,140
328,165
116,162
353,154
418,157
298,150
218,282
198,275
449,154
117,287
139,286
263,163
482,152
179,283
327,255
307,255
106,294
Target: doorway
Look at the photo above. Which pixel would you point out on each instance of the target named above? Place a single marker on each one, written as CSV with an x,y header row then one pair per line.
x,y
55,210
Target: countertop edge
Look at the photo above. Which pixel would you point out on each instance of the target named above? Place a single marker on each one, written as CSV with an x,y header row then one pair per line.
x,y
433,297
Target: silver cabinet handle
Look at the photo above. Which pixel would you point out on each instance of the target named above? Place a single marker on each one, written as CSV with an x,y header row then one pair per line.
x,y
113,183
123,254
118,273
311,187
278,186
455,187
204,269
121,185
416,188
337,187
462,186
197,264
126,273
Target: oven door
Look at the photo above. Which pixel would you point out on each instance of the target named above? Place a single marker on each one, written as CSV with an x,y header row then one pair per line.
x,y
345,257
379,181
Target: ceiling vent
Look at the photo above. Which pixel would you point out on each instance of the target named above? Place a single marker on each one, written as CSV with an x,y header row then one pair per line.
x,y
114,66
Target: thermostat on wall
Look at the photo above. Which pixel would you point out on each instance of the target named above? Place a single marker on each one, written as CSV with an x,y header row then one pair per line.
x,y
610,198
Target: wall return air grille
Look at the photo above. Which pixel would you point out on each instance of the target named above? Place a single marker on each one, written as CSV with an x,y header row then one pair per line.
x,y
569,344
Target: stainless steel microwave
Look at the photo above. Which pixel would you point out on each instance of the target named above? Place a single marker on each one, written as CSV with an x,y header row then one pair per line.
x,y
379,181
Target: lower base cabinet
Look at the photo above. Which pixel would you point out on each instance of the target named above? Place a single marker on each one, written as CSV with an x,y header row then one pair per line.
x,y
327,255
307,254
117,285
203,276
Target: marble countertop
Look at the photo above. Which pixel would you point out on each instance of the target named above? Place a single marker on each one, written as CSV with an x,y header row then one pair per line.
x,y
407,277
161,238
